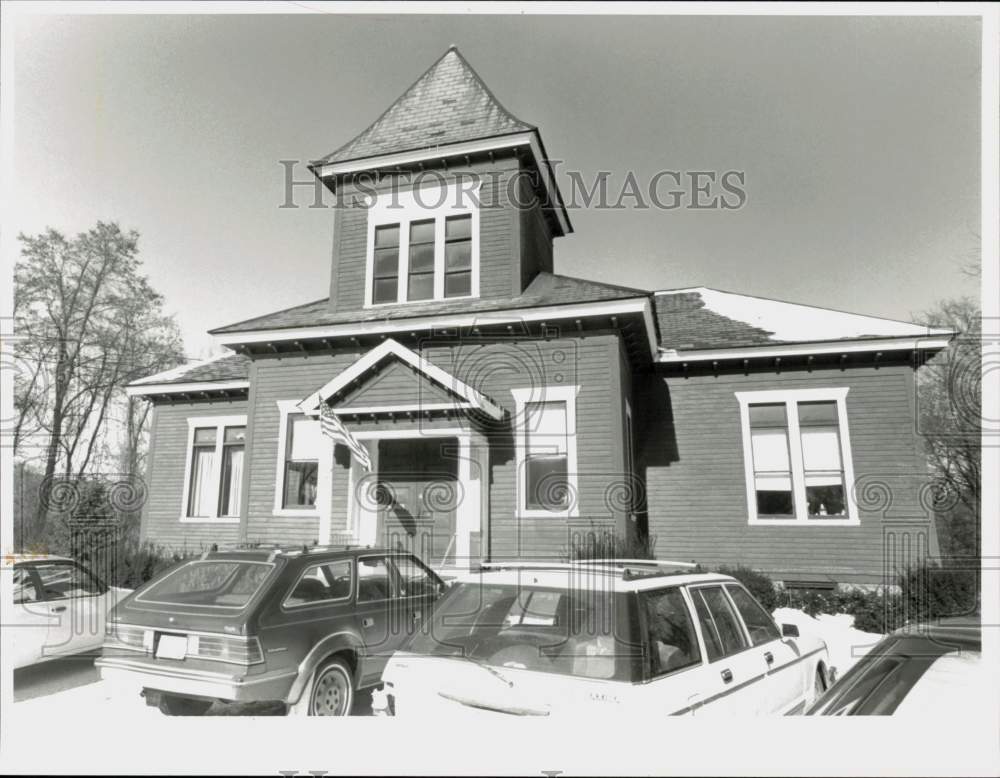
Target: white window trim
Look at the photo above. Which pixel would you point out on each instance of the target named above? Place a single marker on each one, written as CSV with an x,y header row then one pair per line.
x,y
285,409
791,397
522,397
220,423
402,208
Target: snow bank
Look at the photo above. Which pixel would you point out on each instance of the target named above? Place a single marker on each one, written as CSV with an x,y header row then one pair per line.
x,y
845,643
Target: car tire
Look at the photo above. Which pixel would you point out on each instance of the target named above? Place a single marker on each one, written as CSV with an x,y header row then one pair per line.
x,y
330,692
172,705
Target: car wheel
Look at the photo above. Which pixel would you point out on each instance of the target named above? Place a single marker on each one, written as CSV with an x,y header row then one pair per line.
x,y
183,706
329,693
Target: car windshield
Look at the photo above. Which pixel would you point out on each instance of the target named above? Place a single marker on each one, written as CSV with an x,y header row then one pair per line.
x,y
568,632
210,583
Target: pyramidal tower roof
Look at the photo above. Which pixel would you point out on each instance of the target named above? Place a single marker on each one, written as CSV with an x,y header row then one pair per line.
x,y
448,104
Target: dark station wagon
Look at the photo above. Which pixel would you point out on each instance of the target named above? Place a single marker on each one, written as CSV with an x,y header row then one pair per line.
x,y
305,626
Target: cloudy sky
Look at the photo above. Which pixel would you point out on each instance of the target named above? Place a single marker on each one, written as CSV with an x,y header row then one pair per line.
x,y
859,139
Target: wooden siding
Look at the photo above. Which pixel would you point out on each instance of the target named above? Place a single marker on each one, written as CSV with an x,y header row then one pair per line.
x,y
535,239
287,378
587,362
691,453
395,384
165,478
507,262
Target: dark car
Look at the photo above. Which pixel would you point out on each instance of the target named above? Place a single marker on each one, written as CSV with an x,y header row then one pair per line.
x,y
919,669
307,627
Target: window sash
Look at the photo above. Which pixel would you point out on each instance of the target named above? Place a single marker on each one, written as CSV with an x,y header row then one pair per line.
x,y
546,477
819,471
213,476
395,236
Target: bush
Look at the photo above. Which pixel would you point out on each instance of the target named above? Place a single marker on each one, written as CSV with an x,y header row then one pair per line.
x,y
757,583
608,544
930,591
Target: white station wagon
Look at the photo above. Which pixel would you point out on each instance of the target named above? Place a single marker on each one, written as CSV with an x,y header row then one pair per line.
x,y
632,637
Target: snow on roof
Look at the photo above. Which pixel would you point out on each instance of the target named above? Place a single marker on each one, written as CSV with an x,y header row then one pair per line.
x,y
703,318
222,367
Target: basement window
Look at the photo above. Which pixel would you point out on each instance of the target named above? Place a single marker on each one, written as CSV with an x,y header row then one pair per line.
x,y
797,457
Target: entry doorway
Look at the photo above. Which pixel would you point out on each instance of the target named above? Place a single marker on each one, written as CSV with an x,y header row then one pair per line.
x,y
417,495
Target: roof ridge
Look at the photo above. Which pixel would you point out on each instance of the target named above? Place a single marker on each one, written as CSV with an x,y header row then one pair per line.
x,y
391,105
376,133
485,87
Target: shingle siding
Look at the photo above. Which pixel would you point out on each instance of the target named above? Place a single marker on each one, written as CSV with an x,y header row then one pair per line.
x,y
692,455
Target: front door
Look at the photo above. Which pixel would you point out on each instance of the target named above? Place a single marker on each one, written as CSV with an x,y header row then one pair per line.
x,y
417,497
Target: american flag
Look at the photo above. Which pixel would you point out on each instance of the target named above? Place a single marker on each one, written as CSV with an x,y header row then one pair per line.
x,y
334,428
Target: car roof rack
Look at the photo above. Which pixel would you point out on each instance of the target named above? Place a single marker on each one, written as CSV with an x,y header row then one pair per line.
x,y
628,569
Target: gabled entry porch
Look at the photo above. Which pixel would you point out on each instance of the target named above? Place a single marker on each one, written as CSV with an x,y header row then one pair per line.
x,y
422,486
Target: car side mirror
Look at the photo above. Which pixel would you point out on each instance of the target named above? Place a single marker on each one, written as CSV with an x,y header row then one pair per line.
x,y
789,631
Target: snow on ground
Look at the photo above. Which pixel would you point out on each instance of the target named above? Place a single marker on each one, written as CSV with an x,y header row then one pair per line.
x,y
845,643
91,699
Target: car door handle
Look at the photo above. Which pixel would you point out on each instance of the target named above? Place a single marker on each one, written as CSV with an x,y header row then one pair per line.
x,y
58,609
769,657
727,675
366,622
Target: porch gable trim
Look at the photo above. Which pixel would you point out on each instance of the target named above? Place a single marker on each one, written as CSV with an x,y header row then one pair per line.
x,y
389,347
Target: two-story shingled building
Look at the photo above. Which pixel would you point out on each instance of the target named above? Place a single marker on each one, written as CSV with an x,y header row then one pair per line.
x,y
507,409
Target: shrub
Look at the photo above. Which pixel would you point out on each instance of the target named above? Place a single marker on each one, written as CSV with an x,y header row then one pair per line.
x,y
757,583
608,544
809,601
930,591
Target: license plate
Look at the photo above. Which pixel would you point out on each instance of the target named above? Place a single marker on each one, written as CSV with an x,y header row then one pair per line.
x,y
171,647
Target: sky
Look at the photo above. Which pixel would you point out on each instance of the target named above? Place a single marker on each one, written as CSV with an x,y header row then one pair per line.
x,y
858,138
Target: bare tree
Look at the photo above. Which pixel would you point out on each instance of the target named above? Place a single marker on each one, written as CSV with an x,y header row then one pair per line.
x,y
950,408
91,323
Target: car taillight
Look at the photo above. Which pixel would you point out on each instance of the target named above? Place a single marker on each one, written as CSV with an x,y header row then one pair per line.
x,y
126,636
225,648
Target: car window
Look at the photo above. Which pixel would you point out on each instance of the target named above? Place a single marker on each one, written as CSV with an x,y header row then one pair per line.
x,y
219,583
722,619
412,578
62,580
322,583
559,631
24,586
759,624
713,643
373,580
670,635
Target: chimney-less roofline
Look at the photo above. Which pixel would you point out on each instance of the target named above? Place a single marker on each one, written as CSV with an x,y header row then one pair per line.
x,y
515,140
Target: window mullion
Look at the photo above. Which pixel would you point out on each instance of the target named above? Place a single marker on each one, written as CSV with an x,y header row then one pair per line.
x,y
798,467
220,432
438,257
404,261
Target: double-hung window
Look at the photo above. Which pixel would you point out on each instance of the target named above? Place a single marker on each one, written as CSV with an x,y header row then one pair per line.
x,y
797,456
545,422
423,246
301,472
214,469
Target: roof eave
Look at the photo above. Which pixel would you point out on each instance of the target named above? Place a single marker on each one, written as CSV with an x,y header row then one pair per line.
x,y
530,138
931,342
